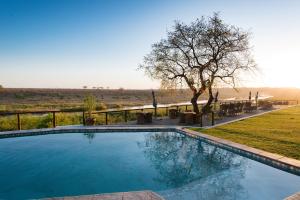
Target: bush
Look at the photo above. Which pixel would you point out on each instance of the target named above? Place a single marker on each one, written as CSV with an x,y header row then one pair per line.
x,y
90,104
119,106
101,106
8,123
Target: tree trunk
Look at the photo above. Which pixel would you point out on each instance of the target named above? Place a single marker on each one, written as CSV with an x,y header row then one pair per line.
x,y
207,106
194,102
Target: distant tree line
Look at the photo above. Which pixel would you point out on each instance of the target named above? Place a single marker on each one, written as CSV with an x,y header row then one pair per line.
x,y
94,87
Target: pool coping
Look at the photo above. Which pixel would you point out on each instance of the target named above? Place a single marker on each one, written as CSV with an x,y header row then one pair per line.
x,y
132,195
274,160
295,196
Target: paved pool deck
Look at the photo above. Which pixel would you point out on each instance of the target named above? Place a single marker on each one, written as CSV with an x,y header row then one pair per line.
x,y
139,195
206,120
294,197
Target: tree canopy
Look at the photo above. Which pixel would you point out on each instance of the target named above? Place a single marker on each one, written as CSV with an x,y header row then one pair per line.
x,y
199,55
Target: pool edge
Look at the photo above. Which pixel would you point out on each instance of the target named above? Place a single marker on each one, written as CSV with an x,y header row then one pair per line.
x,y
274,160
132,195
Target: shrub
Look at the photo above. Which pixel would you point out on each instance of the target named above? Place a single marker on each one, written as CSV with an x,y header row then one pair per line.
x,y
119,106
102,106
90,104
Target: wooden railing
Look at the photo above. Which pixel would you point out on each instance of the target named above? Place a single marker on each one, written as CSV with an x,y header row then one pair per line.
x,y
125,111
53,112
142,109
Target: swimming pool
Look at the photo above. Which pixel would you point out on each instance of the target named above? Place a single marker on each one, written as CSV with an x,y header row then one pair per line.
x,y
169,163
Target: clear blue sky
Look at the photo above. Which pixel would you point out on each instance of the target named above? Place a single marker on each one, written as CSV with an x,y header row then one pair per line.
x,y
72,43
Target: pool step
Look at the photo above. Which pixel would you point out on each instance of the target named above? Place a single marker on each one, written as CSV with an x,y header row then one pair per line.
x,y
139,195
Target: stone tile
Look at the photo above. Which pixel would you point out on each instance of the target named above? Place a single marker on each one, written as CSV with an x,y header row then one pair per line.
x,y
141,195
294,197
269,155
290,161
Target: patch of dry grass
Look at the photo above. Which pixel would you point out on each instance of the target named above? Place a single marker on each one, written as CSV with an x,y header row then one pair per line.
x,y
276,132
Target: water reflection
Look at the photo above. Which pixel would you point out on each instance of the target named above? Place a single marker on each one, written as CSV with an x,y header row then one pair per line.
x,y
193,168
90,136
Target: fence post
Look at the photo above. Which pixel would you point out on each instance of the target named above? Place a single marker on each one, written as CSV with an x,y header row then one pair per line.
x,y
53,120
106,118
186,107
19,121
212,118
201,120
83,118
125,115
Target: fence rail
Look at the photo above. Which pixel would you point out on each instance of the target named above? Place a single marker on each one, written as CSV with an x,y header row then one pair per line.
x,y
125,111
84,113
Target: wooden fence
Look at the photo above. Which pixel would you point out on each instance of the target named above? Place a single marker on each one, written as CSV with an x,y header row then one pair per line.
x,y
106,113
124,111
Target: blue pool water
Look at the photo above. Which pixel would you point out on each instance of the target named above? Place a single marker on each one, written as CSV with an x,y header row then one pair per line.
x,y
171,164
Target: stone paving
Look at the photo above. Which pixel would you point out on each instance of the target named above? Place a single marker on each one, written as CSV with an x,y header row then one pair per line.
x,y
294,197
206,119
141,195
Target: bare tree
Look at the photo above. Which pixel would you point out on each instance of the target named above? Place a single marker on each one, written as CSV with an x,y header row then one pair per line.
x,y
198,55
230,54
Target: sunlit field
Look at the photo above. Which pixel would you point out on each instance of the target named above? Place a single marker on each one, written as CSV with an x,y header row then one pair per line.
x,y
276,132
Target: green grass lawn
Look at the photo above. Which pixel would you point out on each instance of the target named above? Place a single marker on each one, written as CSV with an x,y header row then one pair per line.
x,y
276,132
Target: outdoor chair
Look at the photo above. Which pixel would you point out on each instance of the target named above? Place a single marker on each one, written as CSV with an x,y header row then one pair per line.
x,y
243,106
148,117
265,105
236,108
239,107
181,117
247,107
223,110
144,118
231,110
173,113
190,118
140,118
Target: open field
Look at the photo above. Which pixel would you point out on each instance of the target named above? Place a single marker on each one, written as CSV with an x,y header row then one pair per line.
x,y
72,99
39,99
276,132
